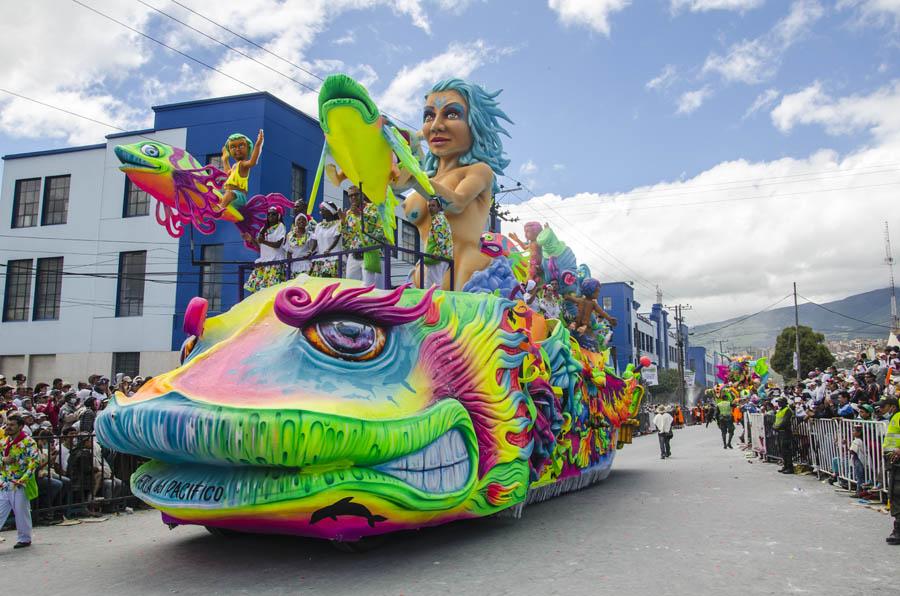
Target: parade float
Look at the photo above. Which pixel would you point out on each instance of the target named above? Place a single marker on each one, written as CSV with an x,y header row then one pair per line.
x,y
741,378
326,408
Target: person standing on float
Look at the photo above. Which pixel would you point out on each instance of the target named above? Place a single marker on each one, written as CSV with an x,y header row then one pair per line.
x,y
461,124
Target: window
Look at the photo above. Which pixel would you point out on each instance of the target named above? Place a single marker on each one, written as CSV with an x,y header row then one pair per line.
x,y
18,290
211,275
298,183
25,203
137,202
214,159
47,288
132,269
607,303
56,200
409,238
127,363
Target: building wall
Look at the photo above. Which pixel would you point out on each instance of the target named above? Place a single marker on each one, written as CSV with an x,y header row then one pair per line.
x,y
87,332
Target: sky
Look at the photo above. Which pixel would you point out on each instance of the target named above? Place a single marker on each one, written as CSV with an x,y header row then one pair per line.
x,y
718,149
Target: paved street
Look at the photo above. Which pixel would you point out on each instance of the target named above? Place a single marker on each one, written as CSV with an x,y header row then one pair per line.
x,y
704,522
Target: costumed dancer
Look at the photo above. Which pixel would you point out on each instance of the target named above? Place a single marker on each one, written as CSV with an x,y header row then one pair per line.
x,y
17,483
299,244
440,244
327,236
238,147
461,124
270,243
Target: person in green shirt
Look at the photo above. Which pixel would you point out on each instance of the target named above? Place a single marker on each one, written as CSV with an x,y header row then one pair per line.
x,y
784,422
726,420
890,448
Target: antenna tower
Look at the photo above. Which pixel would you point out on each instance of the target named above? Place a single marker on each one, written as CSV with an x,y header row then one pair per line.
x,y
889,261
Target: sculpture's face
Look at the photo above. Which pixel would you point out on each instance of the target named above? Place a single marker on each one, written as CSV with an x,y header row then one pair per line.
x,y
238,149
445,124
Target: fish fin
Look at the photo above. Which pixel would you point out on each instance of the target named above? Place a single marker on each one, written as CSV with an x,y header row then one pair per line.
x,y
388,219
406,159
344,501
317,180
376,518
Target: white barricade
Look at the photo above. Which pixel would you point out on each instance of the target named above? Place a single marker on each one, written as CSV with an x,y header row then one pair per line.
x,y
830,450
757,438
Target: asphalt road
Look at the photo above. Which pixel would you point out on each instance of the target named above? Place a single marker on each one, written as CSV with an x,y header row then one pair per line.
x,y
703,522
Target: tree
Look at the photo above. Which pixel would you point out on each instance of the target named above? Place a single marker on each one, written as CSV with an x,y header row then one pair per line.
x,y
813,352
668,382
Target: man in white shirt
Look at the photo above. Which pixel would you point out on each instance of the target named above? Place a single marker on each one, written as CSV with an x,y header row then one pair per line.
x,y
663,423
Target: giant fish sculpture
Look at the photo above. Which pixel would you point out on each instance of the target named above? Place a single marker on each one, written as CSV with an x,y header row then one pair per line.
x,y
189,194
323,408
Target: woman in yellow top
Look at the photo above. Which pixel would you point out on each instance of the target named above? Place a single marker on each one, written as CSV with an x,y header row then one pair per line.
x,y
238,147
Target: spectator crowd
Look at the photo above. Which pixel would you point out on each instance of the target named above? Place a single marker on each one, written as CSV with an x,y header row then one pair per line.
x,y
53,434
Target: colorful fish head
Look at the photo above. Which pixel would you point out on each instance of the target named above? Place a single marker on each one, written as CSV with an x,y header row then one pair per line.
x,y
353,131
495,245
313,392
149,167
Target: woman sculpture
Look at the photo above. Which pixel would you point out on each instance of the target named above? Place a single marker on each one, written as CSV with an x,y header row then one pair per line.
x,y
461,125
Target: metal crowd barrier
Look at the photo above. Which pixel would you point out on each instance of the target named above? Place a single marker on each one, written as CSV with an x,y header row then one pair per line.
x,y
388,250
78,477
824,445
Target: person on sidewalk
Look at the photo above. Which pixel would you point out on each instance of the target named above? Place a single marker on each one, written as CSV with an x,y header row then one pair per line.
x,y
17,482
890,448
784,422
663,423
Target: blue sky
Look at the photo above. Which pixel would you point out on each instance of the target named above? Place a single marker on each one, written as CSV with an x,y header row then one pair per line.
x,y
609,98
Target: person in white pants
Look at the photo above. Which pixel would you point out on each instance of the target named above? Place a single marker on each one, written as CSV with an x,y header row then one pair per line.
x,y
440,244
17,468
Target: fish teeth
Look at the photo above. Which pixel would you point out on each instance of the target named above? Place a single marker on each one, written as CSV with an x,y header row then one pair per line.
x,y
440,467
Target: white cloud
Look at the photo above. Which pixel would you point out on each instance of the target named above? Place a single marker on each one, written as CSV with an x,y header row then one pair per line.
x,y
528,168
732,239
98,68
878,112
593,14
403,96
559,167
690,101
707,5
756,60
762,102
665,78
877,10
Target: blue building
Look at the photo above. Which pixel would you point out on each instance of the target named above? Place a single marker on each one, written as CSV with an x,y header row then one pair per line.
x,y
639,334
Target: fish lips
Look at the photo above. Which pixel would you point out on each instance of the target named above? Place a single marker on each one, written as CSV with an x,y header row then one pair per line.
x,y
132,162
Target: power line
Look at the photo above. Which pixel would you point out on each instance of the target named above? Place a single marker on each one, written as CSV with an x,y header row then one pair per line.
x,y
742,319
843,315
627,270
165,45
772,196
232,48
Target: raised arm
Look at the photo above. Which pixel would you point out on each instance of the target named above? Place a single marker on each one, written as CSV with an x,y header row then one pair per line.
x,y
257,148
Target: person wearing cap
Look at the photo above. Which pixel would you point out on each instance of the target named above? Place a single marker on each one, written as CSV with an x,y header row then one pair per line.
x,y
783,425
17,482
726,420
663,423
890,448
270,243
327,236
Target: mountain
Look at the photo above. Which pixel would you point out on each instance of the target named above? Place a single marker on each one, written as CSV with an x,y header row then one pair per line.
x,y
760,331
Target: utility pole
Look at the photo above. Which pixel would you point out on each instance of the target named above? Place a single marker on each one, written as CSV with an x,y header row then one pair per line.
x,y
796,334
889,261
679,342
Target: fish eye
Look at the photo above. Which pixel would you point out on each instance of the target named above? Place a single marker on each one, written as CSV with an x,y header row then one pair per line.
x,y
348,339
150,150
488,237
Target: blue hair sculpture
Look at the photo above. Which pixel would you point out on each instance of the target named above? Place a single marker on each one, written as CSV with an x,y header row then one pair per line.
x,y
484,123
